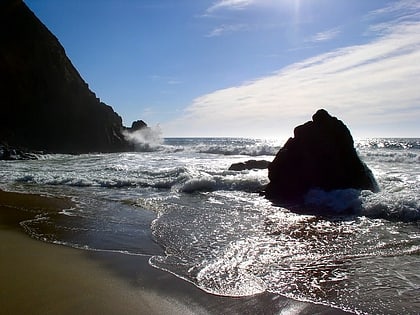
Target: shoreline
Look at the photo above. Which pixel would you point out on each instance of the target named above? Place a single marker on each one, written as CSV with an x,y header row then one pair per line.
x,y
44,278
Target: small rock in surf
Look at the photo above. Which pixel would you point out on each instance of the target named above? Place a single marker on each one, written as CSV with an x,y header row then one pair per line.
x,y
249,165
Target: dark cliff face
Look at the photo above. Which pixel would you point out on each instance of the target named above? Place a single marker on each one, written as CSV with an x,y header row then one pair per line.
x,y
45,104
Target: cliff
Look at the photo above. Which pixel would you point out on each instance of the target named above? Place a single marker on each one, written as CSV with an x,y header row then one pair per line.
x,y
45,103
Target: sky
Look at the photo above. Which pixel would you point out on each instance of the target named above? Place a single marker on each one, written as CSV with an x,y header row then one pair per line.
x,y
247,68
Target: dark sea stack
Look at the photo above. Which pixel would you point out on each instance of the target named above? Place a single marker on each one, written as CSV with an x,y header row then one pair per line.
x,y
45,103
249,165
321,155
137,125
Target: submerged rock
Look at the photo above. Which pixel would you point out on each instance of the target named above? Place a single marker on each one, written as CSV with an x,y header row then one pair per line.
x,y
249,165
320,156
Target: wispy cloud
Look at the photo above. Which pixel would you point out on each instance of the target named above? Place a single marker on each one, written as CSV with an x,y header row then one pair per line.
x,y
402,11
230,4
226,29
227,10
325,36
174,82
403,8
166,79
369,85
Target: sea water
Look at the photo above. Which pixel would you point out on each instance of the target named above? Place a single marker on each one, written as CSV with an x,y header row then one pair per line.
x,y
178,203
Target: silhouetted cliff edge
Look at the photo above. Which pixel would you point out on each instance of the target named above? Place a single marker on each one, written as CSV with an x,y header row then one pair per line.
x,y
45,103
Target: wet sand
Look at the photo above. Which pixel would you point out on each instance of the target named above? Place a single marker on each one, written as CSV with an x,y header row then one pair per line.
x,y
42,278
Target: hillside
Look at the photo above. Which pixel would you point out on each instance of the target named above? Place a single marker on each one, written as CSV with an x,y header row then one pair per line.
x,y
45,103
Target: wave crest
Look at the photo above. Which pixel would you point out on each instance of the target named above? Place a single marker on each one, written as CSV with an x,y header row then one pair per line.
x,y
250,150
390,205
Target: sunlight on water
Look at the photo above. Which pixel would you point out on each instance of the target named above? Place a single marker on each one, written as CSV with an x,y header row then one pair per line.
x,y
298,256
196,219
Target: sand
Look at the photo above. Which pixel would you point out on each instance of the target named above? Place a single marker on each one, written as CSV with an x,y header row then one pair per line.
x,y
42,278
37,278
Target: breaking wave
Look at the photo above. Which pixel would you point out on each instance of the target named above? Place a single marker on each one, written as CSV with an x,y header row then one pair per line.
x,y
390,205
179,179
225,146
146,139
250,150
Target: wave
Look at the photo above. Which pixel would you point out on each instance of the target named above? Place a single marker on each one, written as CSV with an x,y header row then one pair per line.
x,y
394,207
250,150
245,182
335,201
389,205
224,146
408,157
181,179
389,143
70,181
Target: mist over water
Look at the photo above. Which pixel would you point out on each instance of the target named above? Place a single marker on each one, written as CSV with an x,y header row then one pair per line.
x,y
145,139
177,202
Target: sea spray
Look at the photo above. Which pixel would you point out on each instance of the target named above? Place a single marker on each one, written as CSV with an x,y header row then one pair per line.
x,y
146,139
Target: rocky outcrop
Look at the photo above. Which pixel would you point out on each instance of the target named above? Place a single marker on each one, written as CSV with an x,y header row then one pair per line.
x,y
321,155
249,165
12,154
45,104
137,125
137,136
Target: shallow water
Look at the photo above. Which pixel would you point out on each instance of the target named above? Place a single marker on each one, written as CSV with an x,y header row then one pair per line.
x,y
179,204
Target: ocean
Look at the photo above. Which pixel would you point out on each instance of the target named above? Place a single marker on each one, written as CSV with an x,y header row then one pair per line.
x,y
176,202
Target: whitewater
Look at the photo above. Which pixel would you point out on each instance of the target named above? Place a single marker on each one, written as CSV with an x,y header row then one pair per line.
x,y
177,202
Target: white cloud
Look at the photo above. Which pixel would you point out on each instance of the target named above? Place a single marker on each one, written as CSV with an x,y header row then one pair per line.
x,y
325,36
230,4
369,85
404,8
234,23
402,11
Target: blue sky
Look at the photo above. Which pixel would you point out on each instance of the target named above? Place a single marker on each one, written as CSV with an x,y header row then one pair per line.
x,y
247,68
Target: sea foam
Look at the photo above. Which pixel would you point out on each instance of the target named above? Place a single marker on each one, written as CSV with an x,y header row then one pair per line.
x,y
394,204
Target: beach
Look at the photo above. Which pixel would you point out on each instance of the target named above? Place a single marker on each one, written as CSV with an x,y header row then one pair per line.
x,y
43,278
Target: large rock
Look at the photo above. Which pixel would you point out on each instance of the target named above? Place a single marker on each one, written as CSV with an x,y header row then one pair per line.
x,y
321,155
45,103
